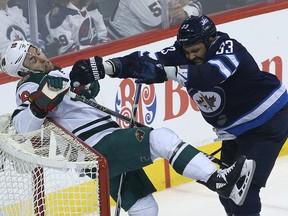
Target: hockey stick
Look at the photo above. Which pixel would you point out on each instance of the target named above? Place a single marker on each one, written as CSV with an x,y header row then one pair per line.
x,y
216,160
131,125
125,118
102,108
215,152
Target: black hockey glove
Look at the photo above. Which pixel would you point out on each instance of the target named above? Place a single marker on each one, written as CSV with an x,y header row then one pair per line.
x,y
49,94
151,71
87,71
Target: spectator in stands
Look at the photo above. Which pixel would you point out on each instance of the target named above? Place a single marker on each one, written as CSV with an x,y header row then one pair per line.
x,y
74,25
137,16
179,10
14,25
43,7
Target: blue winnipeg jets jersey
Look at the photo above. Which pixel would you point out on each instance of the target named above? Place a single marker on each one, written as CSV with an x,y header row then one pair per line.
x,y
230,90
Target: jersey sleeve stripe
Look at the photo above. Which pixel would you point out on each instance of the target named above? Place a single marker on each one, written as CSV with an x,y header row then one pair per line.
x,y
223,69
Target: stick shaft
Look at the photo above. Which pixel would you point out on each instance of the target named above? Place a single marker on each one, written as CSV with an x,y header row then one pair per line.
x,y
131,125
135,105
103,108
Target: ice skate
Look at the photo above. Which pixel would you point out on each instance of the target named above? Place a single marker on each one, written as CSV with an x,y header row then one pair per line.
x,y
223,181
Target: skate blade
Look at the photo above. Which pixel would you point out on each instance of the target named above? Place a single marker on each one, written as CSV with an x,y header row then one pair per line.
x,y
238,195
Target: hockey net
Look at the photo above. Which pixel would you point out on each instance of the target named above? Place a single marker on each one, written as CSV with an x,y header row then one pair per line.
x,y
50,172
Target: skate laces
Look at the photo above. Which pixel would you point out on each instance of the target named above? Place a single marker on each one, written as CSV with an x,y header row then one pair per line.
x,y
222,173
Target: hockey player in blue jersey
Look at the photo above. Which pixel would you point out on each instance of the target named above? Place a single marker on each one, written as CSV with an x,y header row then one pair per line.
x,y
246,106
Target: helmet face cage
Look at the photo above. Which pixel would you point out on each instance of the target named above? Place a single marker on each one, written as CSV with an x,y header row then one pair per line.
x,y
13,58
196,29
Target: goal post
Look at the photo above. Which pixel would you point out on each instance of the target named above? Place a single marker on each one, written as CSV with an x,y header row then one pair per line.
x,y
50,172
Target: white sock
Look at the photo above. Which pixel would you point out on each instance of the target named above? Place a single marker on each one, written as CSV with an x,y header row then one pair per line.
x,y
144,207
199,168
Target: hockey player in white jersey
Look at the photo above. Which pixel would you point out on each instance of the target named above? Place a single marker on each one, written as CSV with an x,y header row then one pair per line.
x,y
74,26
41,93
138,16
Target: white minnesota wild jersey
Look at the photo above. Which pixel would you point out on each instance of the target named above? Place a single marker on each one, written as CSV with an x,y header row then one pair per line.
x,y
84,121
14,26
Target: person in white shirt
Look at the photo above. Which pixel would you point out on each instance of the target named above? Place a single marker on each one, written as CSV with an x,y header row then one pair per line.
x,y
14,25
137,16
179,10
74,25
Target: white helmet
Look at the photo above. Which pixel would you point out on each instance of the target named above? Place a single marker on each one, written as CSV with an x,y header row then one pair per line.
x,y
13,58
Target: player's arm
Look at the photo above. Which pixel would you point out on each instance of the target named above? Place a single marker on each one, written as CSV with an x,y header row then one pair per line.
x,y
216,70
195,76
194,8
88,70
100,26
95,68
37,101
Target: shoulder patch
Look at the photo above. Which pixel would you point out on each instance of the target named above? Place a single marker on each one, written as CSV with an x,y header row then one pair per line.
x,y
139,134
35,78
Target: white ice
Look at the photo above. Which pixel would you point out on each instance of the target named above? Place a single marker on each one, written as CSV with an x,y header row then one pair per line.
x,y
194,199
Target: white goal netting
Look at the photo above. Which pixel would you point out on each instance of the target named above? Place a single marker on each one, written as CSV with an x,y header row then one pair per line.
x,y
50,172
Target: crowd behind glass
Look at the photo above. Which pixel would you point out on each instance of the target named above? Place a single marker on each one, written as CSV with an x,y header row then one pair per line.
x,y
64,26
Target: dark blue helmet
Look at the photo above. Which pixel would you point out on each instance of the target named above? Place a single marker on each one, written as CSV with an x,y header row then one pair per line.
x,y
196,29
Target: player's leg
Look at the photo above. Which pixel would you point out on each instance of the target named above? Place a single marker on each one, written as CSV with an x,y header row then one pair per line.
x,y
136,194
127,150
263,145
184,158
144,206
228,152
190,162
252,203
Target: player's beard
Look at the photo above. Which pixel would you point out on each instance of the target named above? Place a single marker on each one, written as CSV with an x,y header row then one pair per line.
x,y
197,61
